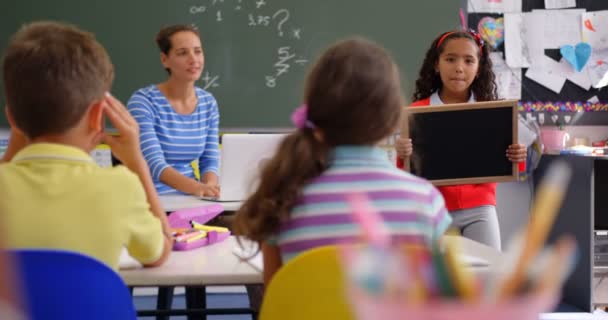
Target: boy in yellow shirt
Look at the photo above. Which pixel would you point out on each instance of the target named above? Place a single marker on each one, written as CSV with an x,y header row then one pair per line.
x,y
52,194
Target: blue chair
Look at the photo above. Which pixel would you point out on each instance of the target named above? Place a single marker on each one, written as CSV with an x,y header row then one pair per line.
x,y
67,285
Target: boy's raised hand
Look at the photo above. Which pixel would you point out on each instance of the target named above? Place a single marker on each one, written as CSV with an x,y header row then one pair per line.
x,y
125,146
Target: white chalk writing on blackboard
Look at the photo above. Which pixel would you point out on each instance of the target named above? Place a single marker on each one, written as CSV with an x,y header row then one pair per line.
x,y
210,81
282,16
255,17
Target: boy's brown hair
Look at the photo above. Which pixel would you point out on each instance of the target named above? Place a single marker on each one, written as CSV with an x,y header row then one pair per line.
x,y
52,72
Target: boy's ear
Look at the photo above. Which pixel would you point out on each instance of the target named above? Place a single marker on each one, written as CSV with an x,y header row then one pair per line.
x,y
9,117
11,122
95,115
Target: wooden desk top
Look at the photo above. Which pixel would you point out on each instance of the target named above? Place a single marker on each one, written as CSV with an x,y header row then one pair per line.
x,y
176,202
217,265
209,265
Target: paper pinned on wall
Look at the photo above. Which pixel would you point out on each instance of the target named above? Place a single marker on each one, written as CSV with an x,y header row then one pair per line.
x,y
508,80
559,4
547,78
595,28
516,48
595,32
534,26
497,6
527,35
598,67
564,69
559,27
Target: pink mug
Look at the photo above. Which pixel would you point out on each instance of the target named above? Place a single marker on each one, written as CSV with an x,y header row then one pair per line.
x,y
554,140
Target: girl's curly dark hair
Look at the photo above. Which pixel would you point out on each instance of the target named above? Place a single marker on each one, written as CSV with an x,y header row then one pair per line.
x,y
429,81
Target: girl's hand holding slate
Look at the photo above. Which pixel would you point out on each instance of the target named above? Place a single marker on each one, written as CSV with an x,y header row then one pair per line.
x,y
517,152
403,147
125,146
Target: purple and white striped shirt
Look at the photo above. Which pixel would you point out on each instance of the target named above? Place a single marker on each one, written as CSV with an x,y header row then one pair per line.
x,y
413,210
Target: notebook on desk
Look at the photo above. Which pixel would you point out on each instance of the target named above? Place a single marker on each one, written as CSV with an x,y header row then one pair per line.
x,y
242,157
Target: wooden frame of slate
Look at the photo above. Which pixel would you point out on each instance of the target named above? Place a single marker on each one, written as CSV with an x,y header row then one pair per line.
x,y
462,143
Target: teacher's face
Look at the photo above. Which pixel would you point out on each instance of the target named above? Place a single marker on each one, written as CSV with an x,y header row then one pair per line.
x,y
185,59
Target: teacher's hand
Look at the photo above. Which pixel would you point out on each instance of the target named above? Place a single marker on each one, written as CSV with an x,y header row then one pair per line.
x,y
208,190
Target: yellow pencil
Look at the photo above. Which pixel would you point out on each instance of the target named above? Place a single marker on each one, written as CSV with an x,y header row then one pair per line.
x,y
463,279
197,237
544,210
203,227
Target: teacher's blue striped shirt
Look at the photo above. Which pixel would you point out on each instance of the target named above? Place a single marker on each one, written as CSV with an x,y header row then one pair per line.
x,y
170,139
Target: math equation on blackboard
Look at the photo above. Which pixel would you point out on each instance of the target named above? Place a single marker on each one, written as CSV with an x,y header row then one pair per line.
x,y
259,15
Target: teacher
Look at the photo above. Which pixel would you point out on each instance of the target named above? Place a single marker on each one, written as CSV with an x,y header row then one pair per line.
x,y
179,121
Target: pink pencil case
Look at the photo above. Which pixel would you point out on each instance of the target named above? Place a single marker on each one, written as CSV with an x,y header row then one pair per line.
x,y
202,214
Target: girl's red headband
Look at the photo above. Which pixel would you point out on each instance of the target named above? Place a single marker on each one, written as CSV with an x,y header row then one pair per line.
x,y
473,34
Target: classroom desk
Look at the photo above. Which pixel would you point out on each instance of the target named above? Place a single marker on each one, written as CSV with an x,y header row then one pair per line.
x,y
217,265
194,269
177,202
208,265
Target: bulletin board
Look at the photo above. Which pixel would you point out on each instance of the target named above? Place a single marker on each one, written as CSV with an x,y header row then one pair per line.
x,y
463,143
536,97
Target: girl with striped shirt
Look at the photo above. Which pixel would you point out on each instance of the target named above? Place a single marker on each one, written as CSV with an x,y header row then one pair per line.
x,y
353,101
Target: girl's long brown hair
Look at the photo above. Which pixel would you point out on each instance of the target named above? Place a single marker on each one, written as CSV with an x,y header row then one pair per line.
x,y
354,97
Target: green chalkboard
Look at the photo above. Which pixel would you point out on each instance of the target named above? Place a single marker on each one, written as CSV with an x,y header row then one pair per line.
x,y
257,52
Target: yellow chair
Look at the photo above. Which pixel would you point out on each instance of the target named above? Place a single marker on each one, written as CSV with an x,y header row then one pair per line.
x,y
311,286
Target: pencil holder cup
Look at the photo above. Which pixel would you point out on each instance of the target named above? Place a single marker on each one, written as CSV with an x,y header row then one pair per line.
x,y
367,307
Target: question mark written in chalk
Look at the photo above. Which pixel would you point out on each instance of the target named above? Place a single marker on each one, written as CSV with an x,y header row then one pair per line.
x,y
285,14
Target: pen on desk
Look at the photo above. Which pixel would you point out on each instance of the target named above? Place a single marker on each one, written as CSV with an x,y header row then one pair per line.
x,y
544,210
203,227
196,237
190,235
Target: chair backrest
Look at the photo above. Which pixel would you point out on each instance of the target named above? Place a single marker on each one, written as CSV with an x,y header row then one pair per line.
x,y
311,286
67,285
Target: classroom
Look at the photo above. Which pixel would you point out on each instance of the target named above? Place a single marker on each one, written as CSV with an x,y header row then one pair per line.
x,y
265,159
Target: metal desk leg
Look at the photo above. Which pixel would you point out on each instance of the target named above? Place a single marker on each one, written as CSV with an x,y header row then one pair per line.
x,y
196,298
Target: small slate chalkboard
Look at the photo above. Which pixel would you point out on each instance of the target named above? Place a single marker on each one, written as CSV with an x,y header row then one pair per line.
x,y
463,143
